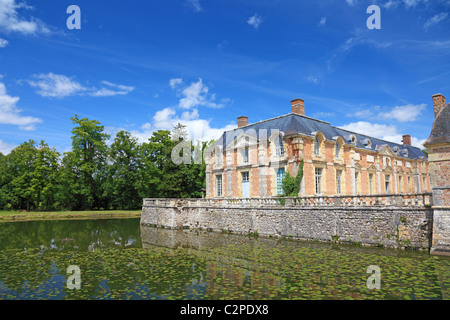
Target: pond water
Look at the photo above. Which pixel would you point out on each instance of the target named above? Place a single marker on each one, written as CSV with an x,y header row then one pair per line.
x,y
119,259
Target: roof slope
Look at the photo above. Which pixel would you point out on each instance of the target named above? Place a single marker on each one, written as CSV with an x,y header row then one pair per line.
x,y
295,123
440,133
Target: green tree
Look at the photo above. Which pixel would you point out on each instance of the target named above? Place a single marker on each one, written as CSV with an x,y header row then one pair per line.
x,y
179,133
45,177
291,185
29,177
20,166
121,186
90,151
69,190
157,164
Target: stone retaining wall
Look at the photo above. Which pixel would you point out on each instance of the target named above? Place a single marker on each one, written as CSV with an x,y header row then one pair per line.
x,y
388,226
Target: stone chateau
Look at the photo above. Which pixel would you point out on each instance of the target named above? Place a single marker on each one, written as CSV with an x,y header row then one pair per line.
x,y
252,160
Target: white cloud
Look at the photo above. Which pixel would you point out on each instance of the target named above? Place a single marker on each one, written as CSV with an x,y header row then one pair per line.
x,y
60,86
195,5
3,43
5,147
55,85
322,21
255,21
186,113
197,94
175,82
391,4
10,114
163,119
190,115
371,129
167,118
112,90
411,3
312,79
12,21
435,20
366,113
407,113
381,131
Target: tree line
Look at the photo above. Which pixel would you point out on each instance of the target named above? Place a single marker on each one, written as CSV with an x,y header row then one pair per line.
x,y
94,175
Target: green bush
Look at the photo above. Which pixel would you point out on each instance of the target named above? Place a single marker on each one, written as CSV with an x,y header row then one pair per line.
x,y
291,185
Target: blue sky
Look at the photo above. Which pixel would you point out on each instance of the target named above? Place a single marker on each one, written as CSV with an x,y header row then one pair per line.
x,y
141,66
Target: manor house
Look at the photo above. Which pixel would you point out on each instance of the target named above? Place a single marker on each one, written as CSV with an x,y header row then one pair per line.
x,y
252,160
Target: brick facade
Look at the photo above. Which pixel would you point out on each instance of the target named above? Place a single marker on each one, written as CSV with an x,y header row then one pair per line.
x,y
385,164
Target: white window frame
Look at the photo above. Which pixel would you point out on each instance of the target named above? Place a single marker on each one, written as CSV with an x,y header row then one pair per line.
x,y
337,153
246,155
338,181
318,180
317,146
279,148
219,185
387,177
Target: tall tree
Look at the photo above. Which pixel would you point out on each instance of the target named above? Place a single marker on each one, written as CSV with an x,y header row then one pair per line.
x,y
121,187
89,147
179,133
45,177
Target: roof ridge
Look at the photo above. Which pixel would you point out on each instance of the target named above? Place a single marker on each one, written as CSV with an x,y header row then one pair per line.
x,y
285,115
361,134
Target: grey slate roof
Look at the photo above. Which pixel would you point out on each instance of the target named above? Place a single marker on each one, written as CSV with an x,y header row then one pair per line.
x,y
294,123
441,128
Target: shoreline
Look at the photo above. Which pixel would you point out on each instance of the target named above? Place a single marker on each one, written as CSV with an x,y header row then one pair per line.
x,y
68,215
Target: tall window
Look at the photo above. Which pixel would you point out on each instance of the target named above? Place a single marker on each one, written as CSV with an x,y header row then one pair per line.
x,y
424,184
279,149
386,183
316,146
219,185
409,184
338,150
370,183
356,182
246,157
338,181
218,156
318,181
280,177
399,184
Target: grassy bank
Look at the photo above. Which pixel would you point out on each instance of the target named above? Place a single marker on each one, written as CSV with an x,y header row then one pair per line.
x,y
10,216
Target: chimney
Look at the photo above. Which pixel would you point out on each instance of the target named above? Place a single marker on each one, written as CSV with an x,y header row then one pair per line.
x,y
298,106
439,102
242,121
406,140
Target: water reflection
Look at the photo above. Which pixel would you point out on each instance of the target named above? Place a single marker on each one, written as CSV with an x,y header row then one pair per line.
x,y
119,259
83,235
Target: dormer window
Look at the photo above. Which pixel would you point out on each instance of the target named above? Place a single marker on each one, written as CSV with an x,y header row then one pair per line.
x,y
350,138
317,146
279,147
396,150
367,143
218,157
405,153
